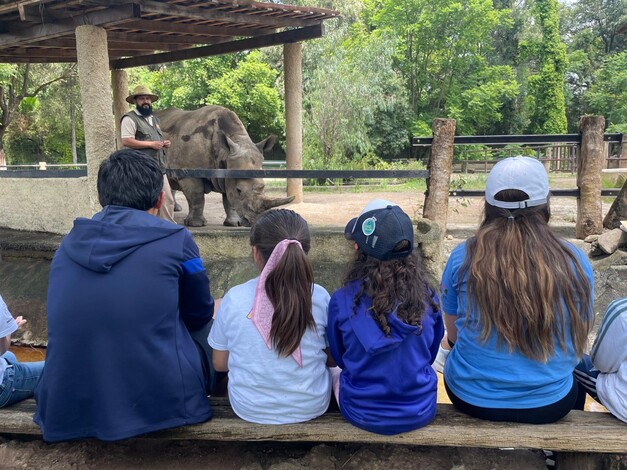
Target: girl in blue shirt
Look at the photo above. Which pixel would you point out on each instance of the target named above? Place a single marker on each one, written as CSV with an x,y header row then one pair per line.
x,y
517,304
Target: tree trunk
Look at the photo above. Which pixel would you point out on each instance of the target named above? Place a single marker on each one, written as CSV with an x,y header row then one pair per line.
x,y
440,168
589,210
618,210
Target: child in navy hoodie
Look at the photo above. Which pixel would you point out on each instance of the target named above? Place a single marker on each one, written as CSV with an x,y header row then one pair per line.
x,y
385,327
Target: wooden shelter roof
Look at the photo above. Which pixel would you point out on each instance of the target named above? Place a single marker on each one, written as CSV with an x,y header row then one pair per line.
x,y
144,32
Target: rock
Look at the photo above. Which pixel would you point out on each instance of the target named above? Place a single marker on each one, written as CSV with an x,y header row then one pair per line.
x,y
609,242
591,238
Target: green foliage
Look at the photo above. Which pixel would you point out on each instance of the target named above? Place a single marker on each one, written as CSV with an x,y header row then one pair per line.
x,y
608,95
478,109
249,90
34,137
547,85
185,84
382,72
356,103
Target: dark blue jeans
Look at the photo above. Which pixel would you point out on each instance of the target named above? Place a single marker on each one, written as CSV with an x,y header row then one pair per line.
x,y
20,379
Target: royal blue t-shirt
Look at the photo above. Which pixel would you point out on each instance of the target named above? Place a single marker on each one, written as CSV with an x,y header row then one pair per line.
x,y
489,375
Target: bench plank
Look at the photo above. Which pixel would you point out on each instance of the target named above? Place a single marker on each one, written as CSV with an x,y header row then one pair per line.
x,y
579,431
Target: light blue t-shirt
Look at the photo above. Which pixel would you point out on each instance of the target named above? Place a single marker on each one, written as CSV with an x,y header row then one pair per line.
x,y
490,376
263,387
7,326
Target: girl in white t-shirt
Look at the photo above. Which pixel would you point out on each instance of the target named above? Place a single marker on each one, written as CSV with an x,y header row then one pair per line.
x,y
269,333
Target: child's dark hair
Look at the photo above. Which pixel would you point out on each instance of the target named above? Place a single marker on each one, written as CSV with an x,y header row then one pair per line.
x,y
398,285
289,285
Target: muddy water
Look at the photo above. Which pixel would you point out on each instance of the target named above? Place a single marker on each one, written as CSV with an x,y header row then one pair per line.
x,y
28,353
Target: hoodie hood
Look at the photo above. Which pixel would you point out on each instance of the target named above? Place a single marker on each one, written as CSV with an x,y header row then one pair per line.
x,y
112,234
371,336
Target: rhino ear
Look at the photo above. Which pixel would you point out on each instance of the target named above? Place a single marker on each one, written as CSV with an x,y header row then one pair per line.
x,y
227,142
266,144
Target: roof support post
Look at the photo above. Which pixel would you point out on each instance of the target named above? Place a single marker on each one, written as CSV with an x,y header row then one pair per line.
x,y
119,84
292,66
95,85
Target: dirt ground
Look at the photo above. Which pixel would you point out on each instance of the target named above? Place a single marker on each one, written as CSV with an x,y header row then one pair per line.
x,y
321,209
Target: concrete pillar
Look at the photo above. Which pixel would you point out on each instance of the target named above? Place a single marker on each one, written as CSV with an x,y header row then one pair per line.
x,y
95,85
440,169
589,166
119,84
292,66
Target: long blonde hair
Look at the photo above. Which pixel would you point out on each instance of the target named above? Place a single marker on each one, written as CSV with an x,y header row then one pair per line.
x,y
526,283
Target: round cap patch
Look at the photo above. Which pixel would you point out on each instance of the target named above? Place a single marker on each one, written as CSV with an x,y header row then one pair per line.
x,y
368,226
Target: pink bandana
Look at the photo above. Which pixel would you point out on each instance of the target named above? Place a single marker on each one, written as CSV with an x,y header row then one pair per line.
x,y
262,311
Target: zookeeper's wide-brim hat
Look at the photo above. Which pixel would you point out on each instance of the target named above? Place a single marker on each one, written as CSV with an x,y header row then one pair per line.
x,y
138,91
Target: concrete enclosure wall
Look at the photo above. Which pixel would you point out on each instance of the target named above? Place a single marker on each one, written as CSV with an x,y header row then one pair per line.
x,y
25,264
43,204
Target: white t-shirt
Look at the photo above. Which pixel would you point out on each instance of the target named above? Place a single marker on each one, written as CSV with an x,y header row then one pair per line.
x,y
128,128
263,387
7,326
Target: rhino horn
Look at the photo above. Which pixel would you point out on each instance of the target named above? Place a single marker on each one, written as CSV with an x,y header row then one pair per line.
x,y
270,203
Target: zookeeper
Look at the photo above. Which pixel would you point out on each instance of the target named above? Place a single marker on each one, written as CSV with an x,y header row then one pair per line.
x,y
141,131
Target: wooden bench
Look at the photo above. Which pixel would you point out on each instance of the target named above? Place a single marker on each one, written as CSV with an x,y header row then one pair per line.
x,y
576,438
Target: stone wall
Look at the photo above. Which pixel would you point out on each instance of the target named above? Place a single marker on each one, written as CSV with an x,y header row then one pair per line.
x,y
43,204
226,253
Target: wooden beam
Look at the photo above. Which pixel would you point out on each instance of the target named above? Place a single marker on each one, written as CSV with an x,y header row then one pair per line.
x,y
202,30
158,39
36,60
109,16
138,44
163,8
293,35
160,42
16,5
37,52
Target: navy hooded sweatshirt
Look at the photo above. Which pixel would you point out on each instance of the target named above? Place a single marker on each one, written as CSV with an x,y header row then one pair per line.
x,y
387,385
125,289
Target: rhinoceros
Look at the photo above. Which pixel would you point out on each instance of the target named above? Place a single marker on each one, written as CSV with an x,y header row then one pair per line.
x,y
213,137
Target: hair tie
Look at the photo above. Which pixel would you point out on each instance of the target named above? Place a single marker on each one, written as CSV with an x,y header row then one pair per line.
x,y
262,311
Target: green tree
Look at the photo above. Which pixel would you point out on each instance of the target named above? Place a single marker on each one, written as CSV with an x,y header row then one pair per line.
x,y
20,82
185,84
438,44
608,94
589,28
355,102
250,91
547,85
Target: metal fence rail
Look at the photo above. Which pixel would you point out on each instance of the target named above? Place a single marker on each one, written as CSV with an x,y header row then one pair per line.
x,y
219,173
612,192
514,139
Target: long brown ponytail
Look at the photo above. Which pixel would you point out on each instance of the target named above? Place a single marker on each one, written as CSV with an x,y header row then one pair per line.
x,y
289,285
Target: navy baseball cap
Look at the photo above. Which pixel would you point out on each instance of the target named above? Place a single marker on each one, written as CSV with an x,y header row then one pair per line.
x,y
380,227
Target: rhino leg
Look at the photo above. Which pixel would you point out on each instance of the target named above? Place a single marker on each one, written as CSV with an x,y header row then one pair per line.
x,y
232,217
193,188
177,206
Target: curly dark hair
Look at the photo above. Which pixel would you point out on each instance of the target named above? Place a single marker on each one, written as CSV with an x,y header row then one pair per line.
x,y
398,286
